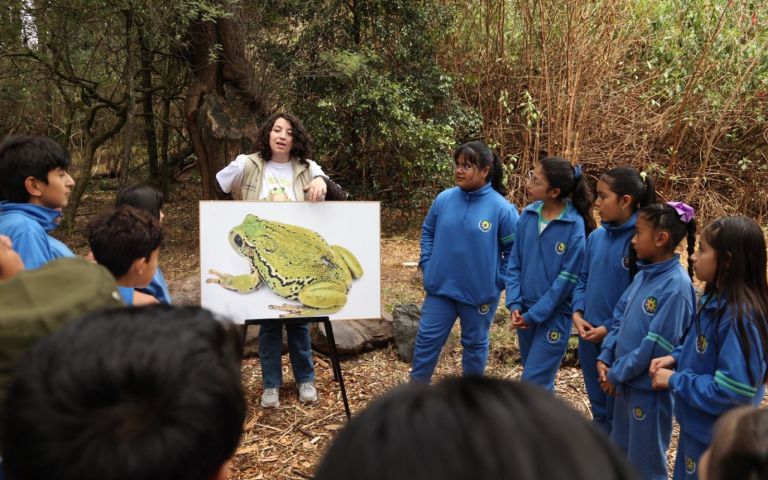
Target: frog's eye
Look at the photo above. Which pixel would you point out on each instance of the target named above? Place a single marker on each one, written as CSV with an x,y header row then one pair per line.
x,y
238,240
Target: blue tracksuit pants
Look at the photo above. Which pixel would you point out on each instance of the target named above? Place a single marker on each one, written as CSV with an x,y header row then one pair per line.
x,y
642,427
689,451
602,404
438,314
542,347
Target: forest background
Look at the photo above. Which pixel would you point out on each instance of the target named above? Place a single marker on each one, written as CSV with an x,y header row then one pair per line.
x,y
144,89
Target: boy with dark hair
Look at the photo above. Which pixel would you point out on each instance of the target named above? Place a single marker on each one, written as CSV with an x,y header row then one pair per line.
x,y
35,183
127,242
136,393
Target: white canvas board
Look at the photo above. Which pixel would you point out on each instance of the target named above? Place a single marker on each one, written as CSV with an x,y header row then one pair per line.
x,y
353,225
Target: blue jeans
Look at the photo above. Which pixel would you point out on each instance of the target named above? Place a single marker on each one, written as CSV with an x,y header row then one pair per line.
x,y
271,352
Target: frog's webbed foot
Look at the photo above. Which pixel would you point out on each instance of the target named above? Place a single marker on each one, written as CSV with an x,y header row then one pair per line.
x,y
302,310
239,283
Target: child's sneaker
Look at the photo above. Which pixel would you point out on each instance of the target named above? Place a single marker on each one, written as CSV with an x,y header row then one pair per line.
x,y
307,392
270,398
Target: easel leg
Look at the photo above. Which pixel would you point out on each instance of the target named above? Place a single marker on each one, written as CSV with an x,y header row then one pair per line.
x,y
336,365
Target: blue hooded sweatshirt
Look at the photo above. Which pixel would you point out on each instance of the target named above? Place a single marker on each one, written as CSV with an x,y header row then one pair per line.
x,y
649,321
26,224
712,372
463,240
604,272
158,288
543,267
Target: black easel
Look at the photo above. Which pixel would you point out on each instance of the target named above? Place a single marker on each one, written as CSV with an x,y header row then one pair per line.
x,y
331,345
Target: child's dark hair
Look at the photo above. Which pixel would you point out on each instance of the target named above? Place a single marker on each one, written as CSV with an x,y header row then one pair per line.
x,y
739,449
739,246
142,197
22,157
123,235
302,140
640,188
150,392
561,174
470,427
480,155
663,217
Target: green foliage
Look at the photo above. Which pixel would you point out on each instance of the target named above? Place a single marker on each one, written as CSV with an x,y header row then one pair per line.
x,y
366,81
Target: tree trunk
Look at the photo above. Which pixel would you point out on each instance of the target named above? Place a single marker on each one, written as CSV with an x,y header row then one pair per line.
x,y
131,101
145,76
86,167
221,108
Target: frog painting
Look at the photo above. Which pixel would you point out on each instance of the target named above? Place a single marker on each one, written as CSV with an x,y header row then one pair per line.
x,y
295,263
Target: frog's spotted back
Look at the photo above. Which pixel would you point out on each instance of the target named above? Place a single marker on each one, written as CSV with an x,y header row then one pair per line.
x,y
295,263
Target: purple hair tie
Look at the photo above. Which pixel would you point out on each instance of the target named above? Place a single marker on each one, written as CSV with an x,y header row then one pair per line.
x,y
577,172
685,211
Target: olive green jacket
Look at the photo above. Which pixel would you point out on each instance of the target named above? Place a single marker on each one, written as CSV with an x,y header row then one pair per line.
x,y
35,303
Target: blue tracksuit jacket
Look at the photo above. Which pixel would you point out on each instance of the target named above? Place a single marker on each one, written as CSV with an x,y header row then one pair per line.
x,y
27,226
463,239
649,321
604,273
158,288
712,374
604,277
543,268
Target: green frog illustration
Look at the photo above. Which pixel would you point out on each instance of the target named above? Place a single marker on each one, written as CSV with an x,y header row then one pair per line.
x,y
278,194
295,263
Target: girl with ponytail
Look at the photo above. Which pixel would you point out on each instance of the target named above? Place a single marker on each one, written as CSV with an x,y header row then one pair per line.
x,y
610,264
545,264
649,322
465,239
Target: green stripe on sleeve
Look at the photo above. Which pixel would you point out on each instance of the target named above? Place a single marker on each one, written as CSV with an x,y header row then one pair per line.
x,y
569,274
734,386
567,279
660,341
508,238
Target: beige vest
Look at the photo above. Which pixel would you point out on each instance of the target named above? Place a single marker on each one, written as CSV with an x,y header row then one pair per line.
x,y
253,175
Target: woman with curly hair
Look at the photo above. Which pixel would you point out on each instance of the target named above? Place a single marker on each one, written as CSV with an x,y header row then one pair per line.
x,y
281,171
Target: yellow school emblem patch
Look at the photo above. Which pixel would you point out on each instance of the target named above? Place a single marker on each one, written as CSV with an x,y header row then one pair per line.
x,y
483,309
650,305
560,248
553,336
638,413
690,465
485,226
701,344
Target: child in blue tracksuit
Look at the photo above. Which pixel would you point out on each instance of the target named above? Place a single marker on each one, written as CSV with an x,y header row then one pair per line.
x,y
722,363
544,266
36,186
150,200
649,320
467,232
609,266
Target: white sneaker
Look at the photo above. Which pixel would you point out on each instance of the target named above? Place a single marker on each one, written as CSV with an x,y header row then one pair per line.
x,y
307,392
270,398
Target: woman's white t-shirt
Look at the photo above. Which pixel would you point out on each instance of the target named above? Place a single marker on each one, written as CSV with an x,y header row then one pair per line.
x,y
278,178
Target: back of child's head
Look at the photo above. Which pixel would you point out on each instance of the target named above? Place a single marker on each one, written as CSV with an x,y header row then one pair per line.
x,y
142,197
470,428
627,181
740,279
22,157
569,179
663,217
151,392
480,155
121,236
739,449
